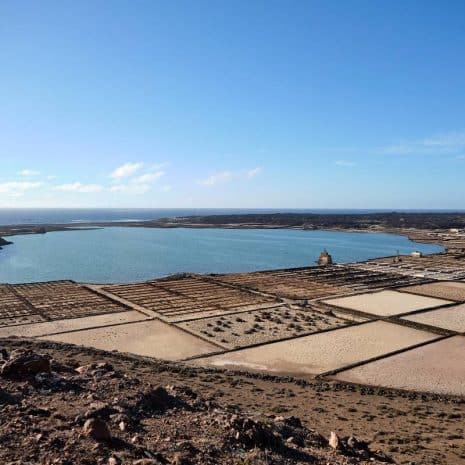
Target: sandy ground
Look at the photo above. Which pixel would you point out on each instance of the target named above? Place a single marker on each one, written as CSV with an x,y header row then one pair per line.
x,y
438,367
245,329
451,290
386,303
150,338
319,353
61,326
452,318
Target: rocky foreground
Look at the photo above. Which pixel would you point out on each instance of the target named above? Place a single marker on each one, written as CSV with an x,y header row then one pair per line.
x,y
62,410
63,404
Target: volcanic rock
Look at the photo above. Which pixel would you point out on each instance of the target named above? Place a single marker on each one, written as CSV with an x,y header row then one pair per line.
x,y
96,429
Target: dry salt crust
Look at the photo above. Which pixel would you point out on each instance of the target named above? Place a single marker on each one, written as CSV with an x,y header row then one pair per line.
x,y
150,338
438,367
260,326
61,326
451,290
386,303
323,352
451,318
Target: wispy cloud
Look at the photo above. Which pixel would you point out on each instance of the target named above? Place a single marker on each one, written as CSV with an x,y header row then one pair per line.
x,y
441,144
28,172
450,139
253,172
126,170
80,188
344,163
217,178
222,177
18,188
130,188
138,185
148,178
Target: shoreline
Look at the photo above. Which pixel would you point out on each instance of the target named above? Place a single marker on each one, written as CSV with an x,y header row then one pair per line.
x,y
439,229
423,236
416,235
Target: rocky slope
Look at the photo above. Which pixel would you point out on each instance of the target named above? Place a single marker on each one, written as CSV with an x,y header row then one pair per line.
x,y
65,411
64,404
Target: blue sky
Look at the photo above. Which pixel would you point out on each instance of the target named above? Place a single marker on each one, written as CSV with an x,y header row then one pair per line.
x,y
331,104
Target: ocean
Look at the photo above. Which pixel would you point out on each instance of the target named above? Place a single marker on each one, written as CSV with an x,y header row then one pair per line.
x,y
81,215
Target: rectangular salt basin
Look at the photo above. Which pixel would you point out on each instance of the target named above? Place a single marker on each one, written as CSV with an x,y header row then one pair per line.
x,y
319,353
436,367
386,303
61,326
451,318
150,338
451,290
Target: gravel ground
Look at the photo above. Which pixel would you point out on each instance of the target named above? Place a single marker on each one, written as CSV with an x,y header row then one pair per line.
x,y
250,328
67,412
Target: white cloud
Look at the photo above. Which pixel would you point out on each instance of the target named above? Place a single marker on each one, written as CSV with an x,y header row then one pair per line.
x,y
447,143
126,170
131,188
222,177
29,173
344,163
166,188
449,139
78,187
253,172
15,188
217,178
148,177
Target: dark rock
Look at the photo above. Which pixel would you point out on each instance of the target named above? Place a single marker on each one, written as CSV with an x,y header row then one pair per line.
x,y
25,364
250,433
97,429
156,400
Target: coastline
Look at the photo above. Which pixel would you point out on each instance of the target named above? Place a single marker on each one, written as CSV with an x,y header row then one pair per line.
x,y
438,237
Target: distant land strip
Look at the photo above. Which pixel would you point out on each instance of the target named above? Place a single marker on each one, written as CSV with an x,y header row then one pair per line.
x,y
416,226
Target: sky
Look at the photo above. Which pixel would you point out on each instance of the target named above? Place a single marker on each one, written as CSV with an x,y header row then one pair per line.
x,y
252,104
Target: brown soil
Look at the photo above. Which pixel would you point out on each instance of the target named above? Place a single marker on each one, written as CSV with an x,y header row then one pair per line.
x,y
220,418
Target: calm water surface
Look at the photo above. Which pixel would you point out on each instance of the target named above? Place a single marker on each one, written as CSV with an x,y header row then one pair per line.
x,y
133,254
